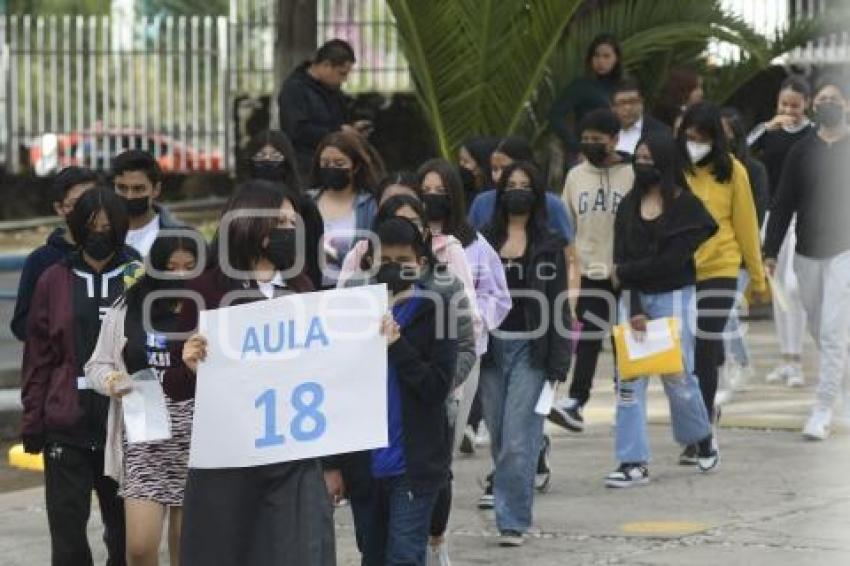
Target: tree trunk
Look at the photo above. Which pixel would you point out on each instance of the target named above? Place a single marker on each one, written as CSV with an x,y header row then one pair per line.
x,y
295,41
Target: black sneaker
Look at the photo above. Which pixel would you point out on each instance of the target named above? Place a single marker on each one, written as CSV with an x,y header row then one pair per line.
x,y
544,473
510,538
689,456
487,501
628,475
568,417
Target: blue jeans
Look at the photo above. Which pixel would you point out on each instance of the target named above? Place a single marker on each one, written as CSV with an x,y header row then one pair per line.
x,y
510,387
688,415
736,348
392,523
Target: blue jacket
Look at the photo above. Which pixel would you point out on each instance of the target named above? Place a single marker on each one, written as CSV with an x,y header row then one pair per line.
x,y
481,213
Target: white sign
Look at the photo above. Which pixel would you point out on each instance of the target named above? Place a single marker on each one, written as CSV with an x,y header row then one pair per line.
x,y
656,339
300,376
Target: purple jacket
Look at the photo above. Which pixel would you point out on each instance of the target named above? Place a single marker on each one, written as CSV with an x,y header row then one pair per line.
x,y
491,289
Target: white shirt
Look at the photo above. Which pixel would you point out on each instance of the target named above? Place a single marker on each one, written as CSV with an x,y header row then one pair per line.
x,y
142,238
267,287
629,137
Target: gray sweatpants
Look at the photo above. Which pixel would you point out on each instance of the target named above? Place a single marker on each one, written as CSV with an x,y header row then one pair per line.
x,y
825,293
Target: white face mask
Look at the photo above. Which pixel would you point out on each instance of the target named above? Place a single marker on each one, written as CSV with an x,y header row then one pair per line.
x,y
698,151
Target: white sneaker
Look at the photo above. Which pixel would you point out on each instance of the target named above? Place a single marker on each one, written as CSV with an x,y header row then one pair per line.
x,y
817,427
438,554
745,373
722,397
795,375
779,374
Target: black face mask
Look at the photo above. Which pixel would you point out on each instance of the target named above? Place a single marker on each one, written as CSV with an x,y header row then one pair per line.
x,y
137,206
595,153
281,248
334,178
268,170
646,175
829,114
439,207
468,178
395,276
99,246
518,201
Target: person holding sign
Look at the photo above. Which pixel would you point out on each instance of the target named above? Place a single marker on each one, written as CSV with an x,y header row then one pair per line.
x,y
530,348
270,514
151,475
393,490
62,414
659,226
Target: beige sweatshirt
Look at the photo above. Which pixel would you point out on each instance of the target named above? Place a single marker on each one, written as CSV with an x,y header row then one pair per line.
x,y
592,196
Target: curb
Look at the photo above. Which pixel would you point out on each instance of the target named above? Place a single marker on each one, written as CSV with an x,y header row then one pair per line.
x,y
23,461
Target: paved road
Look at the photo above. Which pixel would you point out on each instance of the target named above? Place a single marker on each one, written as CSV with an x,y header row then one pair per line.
x,y
775,500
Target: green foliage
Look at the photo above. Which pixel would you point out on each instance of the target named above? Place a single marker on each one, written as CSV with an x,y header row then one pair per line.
x,y
495,66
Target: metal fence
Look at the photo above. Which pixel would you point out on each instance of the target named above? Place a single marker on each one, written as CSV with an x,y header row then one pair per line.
x,y
768,16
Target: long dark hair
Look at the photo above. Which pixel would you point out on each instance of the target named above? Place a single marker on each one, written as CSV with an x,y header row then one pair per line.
x,y
390,210
176,239
738,144
516,148
537,225
93,201
681,82
605,39
481,148
245,167
403,178
245,235
456,224
367,166
705,117
665,156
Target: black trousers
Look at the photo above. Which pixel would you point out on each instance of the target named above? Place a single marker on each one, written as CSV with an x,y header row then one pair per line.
x,y
279,514
596,310
70,475
715,299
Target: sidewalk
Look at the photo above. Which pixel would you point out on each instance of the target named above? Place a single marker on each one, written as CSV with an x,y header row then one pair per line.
x,y
775,499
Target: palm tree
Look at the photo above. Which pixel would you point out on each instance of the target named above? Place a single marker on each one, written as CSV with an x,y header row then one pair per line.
x,y
494,66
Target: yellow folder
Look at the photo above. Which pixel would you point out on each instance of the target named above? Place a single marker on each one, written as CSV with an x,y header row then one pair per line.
x,y
667,361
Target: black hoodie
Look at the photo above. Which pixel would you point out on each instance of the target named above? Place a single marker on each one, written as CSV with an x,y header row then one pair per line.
x,y
308,112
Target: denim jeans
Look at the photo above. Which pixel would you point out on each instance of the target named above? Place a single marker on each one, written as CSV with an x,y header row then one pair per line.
x,y
688,415
736,347
392,523
510,387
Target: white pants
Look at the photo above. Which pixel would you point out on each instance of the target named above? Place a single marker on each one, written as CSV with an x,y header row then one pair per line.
x,y
825,292
791,320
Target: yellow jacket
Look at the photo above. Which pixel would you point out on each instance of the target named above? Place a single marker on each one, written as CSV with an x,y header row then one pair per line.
x,y
731,204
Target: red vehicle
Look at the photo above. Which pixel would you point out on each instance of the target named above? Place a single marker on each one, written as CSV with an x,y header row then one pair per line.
x,y
51,152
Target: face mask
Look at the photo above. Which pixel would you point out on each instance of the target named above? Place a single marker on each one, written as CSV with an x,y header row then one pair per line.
x,y
334,178
99,246
395,276
439,207
137,206
595,153
468,178
646,175
518,201
268,170
698,151
281,248
829,114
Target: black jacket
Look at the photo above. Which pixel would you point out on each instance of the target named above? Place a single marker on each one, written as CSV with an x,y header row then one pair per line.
x,y
424,358
546,274
659,260
814,186
653,126
308,112
54,250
